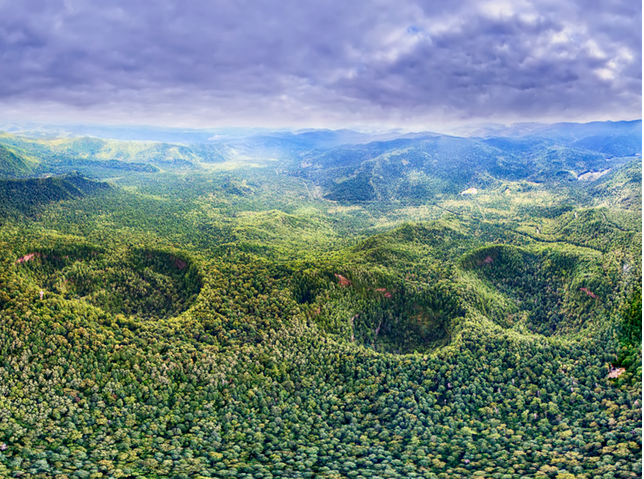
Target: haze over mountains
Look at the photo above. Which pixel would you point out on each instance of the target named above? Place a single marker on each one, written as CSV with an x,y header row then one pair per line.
x,y
191,135
569,142
317,303
342,165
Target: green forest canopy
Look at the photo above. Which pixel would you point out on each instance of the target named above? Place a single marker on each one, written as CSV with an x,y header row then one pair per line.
x,y
205,322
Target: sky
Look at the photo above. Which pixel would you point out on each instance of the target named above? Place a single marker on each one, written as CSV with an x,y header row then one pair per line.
x,y
327,63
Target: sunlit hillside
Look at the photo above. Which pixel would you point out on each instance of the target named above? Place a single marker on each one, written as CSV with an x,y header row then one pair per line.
x,y
322,304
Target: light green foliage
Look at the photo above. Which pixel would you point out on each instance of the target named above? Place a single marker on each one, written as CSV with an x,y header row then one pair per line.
x,y
241,320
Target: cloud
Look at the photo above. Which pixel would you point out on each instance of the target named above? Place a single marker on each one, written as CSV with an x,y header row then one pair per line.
x,y
323,63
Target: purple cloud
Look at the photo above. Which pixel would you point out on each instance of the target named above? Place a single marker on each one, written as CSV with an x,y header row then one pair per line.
x,y
323,63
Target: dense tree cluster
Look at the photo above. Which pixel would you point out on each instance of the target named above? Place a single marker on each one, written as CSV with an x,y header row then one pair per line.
x,y
202,326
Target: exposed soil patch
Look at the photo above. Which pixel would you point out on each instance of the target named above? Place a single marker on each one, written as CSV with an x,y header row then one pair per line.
x,y
614,372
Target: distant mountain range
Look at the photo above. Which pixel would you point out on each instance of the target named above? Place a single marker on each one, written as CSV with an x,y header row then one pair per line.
x,y
347,165
317,138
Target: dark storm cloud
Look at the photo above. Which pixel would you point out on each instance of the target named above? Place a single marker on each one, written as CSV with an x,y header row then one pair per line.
x,y
333,61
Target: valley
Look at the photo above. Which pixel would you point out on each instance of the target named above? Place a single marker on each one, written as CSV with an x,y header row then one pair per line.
x,y
322,304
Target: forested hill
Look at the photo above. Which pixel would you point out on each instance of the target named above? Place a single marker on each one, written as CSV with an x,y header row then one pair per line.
x,y
322,304
396,169
561,151
12,164
29,195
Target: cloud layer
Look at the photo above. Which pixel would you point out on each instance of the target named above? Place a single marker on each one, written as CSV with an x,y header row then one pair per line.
x,y
320,63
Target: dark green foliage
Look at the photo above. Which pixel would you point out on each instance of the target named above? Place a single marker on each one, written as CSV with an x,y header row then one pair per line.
x,y
630,355
632,319
232,186
199,324
28,195
547,211
555,290
401,321
144,283
307,285
353,190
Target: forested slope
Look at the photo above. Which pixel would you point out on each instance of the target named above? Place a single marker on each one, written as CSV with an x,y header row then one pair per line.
x,y
232,320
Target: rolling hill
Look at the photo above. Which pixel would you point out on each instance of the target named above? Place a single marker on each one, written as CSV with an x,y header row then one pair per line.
x,y
323,304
